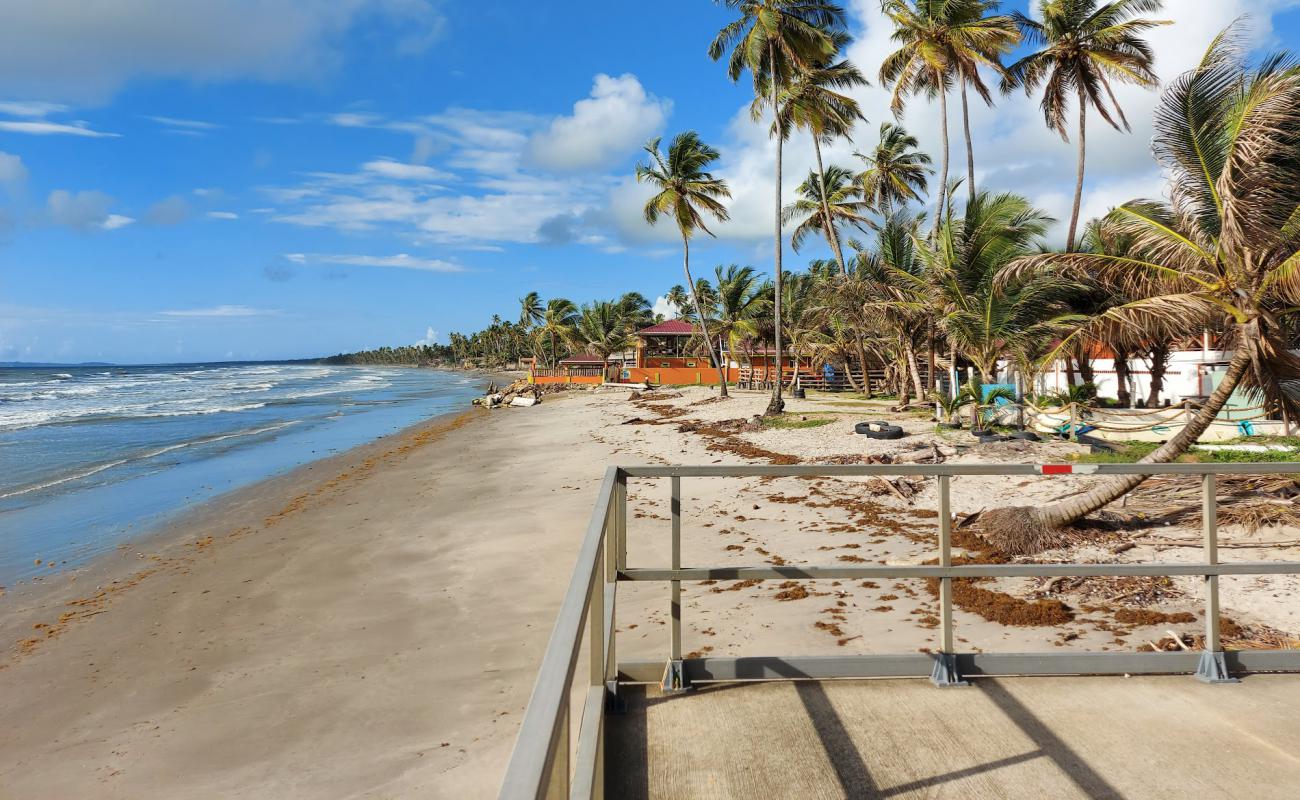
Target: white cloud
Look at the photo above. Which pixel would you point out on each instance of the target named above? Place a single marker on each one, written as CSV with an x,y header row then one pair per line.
x,y
188,124
12,172
71,49
77,128
221,311
430,338
84,211
664,308
396,170
31,108
605,128
399,261
169,211
222,215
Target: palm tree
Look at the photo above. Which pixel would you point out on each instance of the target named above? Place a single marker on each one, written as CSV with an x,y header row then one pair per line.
x,y
742,303
685,187
602,328
557,325
940,42
637,312
530,309
823,202
998,35
896,171
1226,248
1085,45
982,318
814,100
775,40
678,298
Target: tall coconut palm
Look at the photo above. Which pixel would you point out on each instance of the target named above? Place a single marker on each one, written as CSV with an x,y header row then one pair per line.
x,y
687,191
636,311
557,326
998,35
941,42
824,202
815,101
775,40
1085,46
1226,246
896,171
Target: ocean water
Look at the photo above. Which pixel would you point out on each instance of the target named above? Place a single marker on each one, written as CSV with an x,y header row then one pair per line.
x,y
91,457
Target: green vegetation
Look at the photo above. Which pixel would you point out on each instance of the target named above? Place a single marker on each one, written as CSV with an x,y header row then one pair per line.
x,y
796,423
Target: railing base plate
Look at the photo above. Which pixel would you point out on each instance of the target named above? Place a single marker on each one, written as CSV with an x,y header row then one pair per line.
x,y
1213,668
674,680
945,674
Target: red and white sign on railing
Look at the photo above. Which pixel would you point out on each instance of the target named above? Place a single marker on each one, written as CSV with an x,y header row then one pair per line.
x,y
1067,469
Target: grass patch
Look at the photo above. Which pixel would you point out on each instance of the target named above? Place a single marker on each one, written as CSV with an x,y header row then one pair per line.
x,y
795,423
1131,452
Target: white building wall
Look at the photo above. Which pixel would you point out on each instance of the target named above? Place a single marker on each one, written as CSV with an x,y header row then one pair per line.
x,y
1186,376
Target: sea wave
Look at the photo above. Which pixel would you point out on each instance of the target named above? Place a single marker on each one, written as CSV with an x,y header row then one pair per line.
x,y
98,468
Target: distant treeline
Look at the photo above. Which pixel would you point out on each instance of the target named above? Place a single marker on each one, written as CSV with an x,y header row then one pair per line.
x,y
423,355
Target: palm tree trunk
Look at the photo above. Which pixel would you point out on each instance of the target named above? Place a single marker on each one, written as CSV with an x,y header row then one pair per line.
x,y
828,222
915,372
699,312
1122,375
970,147
1159,365
943,173
1078,186
1073,508
777,405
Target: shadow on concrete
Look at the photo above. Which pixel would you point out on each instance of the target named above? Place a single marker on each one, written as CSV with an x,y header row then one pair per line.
x,y
1089,781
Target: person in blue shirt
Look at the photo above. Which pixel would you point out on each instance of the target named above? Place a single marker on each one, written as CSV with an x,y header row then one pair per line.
x,y
829,372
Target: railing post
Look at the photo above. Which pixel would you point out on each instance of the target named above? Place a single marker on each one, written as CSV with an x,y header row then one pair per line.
x,y
674,679
945,663
620,522
557,783
1212,667
596,621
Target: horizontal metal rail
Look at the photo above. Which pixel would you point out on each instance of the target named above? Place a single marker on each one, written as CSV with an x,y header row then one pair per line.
x,y
540,764
788,572
934,470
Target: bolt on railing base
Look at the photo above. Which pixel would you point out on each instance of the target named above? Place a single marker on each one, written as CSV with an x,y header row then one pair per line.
x,y
1213,669
945,674
675,680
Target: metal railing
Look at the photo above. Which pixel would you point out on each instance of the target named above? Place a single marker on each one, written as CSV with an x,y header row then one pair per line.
x,y
540,766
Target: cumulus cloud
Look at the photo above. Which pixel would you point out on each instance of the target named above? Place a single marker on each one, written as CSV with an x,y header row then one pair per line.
x,y
70,49
604,128
13,174
169,211
84,211
430,338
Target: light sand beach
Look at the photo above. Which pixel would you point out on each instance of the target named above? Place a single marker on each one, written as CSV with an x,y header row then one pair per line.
x,y
370,626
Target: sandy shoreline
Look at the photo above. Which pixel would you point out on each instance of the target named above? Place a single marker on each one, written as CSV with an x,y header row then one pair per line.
x,y
370,626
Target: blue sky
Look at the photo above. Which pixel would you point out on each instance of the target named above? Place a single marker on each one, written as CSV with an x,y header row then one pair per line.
x,y
245,179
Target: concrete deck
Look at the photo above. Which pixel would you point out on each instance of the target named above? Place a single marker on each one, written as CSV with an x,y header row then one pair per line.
x,y
1103,737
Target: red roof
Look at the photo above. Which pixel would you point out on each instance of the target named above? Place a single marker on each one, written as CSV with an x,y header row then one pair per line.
x,y
673,327
583,358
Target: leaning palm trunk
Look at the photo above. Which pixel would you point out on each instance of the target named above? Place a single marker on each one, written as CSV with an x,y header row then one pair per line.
x,y
828,222
914,370
1021,530
716,358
